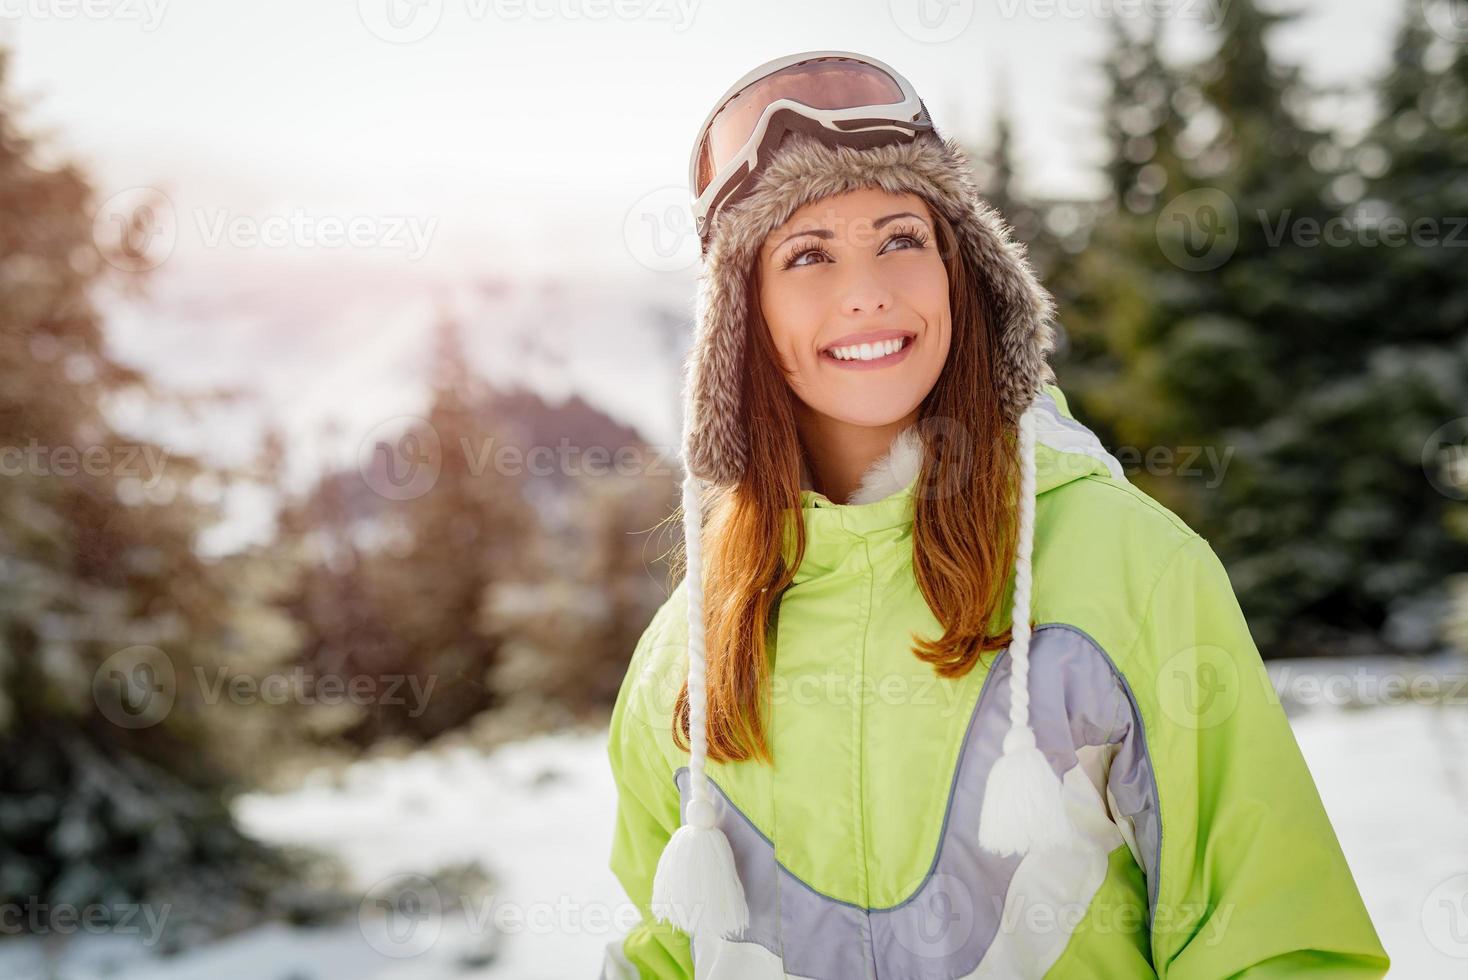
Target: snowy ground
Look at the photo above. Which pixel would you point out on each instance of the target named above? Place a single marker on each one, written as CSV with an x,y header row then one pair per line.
x,y
538,815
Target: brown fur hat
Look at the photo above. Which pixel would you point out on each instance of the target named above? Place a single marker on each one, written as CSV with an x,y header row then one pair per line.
x,y
803,170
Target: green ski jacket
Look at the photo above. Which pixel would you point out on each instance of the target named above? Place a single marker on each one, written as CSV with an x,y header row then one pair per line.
x,y
1202,850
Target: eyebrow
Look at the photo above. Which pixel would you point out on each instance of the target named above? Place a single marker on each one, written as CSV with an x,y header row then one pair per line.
x,y
826,233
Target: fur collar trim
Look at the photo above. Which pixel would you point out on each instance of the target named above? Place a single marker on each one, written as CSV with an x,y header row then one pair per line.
x,y
889,473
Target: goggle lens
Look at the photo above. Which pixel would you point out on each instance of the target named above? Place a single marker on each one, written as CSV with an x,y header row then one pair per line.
x,y
824,83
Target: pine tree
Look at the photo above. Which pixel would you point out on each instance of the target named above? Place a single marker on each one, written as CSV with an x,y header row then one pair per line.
x,y
392,575
113,774
1226,320
1142,118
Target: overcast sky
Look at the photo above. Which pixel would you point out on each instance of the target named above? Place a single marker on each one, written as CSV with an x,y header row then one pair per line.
x,y
520,163
533,127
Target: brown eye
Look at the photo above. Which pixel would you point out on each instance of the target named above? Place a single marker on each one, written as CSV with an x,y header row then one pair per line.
x,y
914,236
800,253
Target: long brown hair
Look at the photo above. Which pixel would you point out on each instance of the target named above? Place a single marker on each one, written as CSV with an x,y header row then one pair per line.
x,y
963,518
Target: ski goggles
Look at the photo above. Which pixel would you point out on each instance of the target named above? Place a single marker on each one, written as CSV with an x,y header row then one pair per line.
x,y
841,98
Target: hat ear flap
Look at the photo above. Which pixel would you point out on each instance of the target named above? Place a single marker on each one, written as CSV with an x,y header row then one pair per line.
x,y
714,446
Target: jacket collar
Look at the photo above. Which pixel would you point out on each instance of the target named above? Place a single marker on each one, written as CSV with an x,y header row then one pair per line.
x,y
1065,451
894,470
880,509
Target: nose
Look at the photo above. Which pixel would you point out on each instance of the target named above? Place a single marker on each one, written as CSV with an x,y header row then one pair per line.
x,y
865,304
865,293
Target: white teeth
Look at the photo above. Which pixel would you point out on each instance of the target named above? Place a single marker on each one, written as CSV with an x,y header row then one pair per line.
x,y
868,352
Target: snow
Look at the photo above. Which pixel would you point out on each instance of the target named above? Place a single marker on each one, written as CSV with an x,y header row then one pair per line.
x,y
538,816
1394,780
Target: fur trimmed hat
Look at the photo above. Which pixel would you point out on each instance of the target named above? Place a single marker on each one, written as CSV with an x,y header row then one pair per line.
x,y
696,884
803,170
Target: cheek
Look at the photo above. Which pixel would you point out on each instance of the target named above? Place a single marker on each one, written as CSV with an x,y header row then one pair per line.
x,y
793,317
927,291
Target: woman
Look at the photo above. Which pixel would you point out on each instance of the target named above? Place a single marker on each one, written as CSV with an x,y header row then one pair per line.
x,y
956,699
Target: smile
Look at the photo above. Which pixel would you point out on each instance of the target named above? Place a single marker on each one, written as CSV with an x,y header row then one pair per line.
x,y
879,353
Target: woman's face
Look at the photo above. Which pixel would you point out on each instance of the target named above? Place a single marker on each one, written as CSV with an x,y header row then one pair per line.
x,y
856,299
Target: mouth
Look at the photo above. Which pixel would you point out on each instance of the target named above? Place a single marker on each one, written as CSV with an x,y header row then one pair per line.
x,y
866,354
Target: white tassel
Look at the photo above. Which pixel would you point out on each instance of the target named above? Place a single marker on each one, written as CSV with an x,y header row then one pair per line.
x,y
1023,808
696,886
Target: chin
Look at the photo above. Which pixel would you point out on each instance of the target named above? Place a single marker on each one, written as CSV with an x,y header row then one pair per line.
x,y
866,412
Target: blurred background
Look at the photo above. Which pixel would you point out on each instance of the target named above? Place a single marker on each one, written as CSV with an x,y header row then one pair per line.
x,y
340,352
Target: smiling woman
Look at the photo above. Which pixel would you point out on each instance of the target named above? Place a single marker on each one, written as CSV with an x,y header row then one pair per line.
x,y
853,290
898,489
